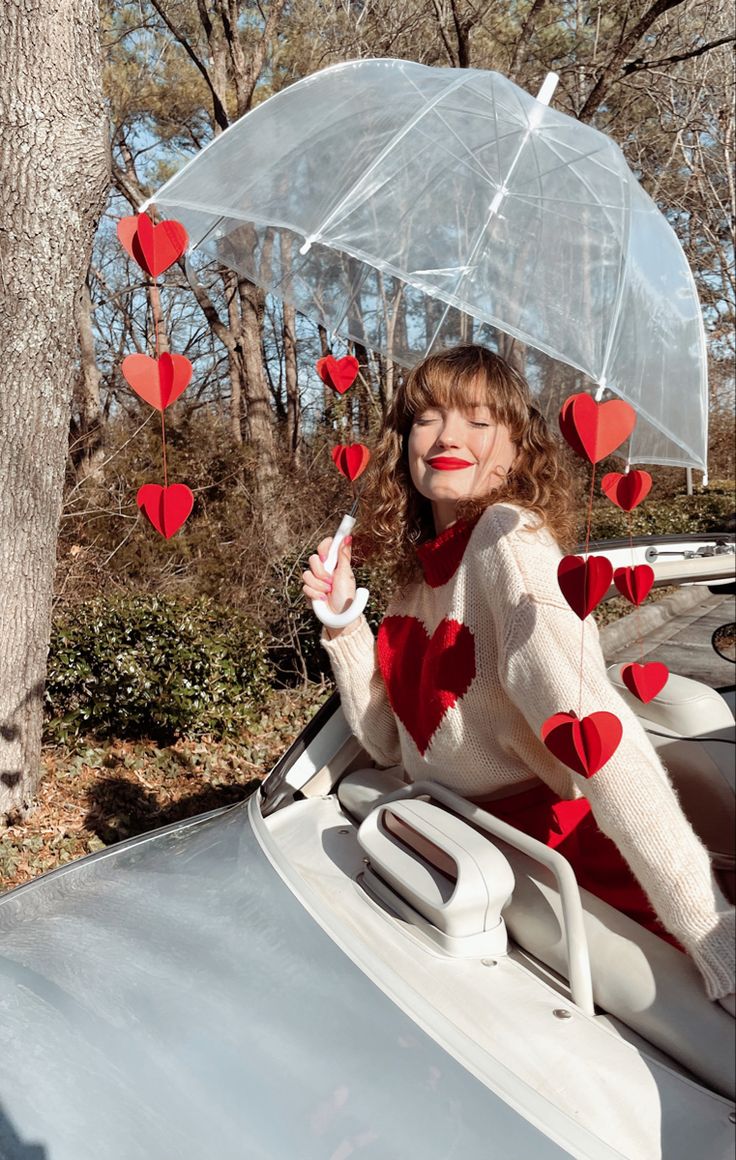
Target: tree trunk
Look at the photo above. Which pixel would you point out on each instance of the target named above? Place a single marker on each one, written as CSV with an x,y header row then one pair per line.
x,y
292,381
87,451
266,473
54,176
234,362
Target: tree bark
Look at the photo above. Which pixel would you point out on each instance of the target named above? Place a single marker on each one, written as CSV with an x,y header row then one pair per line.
x,y
87,451
266,472
54,176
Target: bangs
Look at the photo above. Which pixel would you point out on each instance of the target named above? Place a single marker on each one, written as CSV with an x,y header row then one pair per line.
x,y
444,386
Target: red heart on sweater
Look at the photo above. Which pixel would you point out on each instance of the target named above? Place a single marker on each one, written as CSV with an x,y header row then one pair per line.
x,y
338,373
585,745
351,460
626,491
166,507
424,675
594,430
583,582
157,381
634,583
154,247
645,681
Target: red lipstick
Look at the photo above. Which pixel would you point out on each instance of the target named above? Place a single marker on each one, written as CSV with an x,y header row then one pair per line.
x,y
448,463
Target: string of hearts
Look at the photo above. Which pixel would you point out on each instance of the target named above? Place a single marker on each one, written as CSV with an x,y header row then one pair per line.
x,y
350,459
593,431
158,381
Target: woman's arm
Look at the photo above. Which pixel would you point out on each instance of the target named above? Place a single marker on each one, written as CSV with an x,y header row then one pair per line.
x,y
631,797
352,654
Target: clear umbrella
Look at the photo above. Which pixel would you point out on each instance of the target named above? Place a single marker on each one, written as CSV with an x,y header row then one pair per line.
x,y
409,208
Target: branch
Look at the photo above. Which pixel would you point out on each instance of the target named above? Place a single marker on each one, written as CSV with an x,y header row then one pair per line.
x,y
252,72
639,64
525,32
218,106
208,307
609,75
443,34
125,179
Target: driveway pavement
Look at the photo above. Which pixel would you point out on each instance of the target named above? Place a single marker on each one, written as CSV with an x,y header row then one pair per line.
x,y
682,641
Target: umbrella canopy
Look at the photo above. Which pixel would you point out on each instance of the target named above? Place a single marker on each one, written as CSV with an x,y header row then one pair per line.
x,y
409,208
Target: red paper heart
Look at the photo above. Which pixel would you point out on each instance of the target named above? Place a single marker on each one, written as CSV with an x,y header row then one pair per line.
x,y
166,507
338,373
645,681
583,582
424,675
634,583
154,247
594,430
351,460
157,381
626,491
583,745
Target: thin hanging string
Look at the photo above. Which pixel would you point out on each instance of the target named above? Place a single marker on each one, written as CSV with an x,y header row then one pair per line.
x,y
637,609
156,310
588,522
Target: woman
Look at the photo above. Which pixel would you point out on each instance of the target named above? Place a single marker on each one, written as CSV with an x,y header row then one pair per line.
x,y
469,505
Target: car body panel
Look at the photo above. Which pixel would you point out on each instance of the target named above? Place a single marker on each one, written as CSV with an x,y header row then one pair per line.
x,y
171,998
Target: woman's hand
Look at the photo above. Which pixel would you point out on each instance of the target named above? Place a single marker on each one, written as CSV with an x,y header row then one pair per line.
x,y
339,588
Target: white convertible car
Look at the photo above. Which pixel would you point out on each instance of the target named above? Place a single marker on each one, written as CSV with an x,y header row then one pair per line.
x,y
287,980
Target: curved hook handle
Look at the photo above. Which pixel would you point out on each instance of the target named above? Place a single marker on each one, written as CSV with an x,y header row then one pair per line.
x,y
320,607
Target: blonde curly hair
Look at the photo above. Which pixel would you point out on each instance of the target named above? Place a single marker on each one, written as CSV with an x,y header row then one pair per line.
x,y
395,518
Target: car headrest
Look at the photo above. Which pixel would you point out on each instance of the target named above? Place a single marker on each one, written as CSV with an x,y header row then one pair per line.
x,y
684,708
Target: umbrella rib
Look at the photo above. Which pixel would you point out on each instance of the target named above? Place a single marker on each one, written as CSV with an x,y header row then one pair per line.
x,y
467,150
317,234
491,214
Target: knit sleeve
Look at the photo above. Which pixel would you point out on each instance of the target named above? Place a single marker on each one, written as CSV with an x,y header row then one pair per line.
x,y
631,797
362,692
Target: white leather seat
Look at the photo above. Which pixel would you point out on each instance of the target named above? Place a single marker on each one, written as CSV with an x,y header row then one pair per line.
x,y
693,730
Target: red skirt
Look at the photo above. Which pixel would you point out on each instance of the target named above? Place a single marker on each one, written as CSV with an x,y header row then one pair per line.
x,y
570,828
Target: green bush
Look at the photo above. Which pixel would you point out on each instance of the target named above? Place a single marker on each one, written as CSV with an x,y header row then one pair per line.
x,y
149,666
706,511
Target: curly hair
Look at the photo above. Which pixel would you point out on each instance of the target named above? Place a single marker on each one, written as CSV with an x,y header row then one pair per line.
x,y
395,518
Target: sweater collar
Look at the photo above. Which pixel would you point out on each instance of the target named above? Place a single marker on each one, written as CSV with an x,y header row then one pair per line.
x,y
440,558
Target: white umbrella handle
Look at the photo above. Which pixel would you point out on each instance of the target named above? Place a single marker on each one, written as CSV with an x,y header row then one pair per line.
x,y
321,608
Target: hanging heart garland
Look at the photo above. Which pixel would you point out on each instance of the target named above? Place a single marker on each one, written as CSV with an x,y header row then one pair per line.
x,y
167,508
158,381
161,380
339,374
634,582
584,582
595,430
153,247
626,491
351,459
584,745
645,681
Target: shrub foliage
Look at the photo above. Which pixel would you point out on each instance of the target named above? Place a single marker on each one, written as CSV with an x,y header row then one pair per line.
x,y
152,666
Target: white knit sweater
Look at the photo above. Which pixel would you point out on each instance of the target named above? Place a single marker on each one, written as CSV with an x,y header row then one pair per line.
x,y
468,665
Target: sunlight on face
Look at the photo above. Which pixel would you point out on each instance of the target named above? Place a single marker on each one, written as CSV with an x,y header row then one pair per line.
x,y
457,454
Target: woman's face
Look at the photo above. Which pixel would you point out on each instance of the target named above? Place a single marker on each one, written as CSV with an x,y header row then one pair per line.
x,y
456,455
